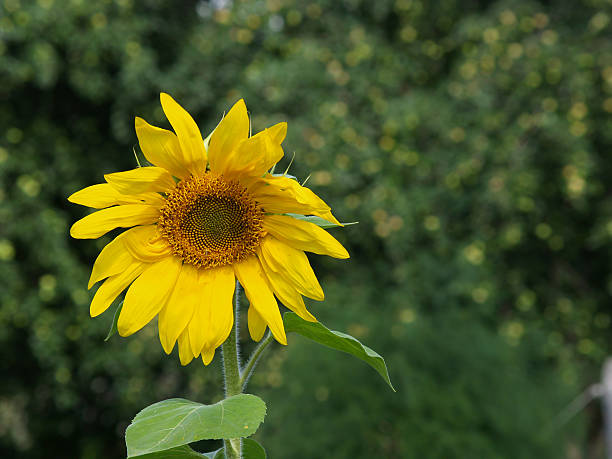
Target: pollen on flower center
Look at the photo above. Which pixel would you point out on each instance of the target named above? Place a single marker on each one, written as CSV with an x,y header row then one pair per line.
x,y
210,221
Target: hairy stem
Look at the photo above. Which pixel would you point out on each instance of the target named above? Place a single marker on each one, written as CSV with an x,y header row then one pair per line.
x,y
231,371
248,369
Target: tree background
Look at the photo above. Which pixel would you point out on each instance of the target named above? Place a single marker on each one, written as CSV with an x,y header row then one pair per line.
x,y
469,138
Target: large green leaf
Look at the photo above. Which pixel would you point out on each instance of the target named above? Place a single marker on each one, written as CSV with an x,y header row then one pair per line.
x,y
176,422
319,221
336,340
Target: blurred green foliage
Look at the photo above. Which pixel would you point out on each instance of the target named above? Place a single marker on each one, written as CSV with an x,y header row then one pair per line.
x,y
469,138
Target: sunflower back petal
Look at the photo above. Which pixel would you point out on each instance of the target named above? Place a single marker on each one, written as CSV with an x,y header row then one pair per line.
x,y
141,180
188,133
162,148
304,235
232,129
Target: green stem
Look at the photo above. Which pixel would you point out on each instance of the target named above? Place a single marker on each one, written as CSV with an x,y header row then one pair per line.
x,y
231,371
245,374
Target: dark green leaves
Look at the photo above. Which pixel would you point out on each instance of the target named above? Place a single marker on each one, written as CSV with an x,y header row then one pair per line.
x,y
336,340
177,422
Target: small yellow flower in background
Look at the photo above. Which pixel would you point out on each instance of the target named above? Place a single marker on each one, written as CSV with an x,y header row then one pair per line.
x,y
199,219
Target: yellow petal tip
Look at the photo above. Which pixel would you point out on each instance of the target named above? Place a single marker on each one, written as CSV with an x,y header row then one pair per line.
x,y
122,329
279,335
74,232
239,105
166,100
207,356
167,347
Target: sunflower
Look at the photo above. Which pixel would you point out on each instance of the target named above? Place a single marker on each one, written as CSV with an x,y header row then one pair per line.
x,y
199,218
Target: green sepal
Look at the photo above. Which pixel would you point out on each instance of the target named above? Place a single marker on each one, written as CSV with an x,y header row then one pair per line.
x,y
113,328
320,221
318,333
209,136
292,177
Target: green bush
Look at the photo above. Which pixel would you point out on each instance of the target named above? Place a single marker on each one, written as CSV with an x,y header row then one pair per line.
x,y
470,139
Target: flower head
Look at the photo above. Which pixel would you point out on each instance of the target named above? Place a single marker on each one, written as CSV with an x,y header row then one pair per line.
x,y
200,218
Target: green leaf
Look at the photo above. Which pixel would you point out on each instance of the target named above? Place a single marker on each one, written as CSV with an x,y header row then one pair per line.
x,y
181,452
113,328
175,422
336,340
319,221
252,450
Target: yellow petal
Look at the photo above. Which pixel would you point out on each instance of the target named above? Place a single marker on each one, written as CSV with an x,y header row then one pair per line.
x,y
185,353
101,222
278,132
103,195
188,133
257,326
96,196
161,147
255,284
113,259
292,265
178,311
285,195
141,180
207,355
253,156
213,316
147,295
303,235
287,294
113,286
146,244
229,133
